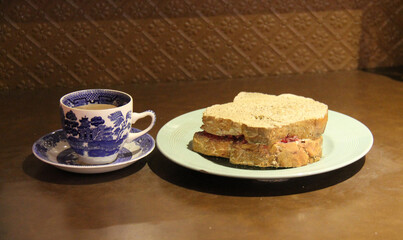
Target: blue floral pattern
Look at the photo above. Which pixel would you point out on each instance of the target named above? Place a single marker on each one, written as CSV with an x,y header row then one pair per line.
x,y
43,145
104,96
93,136
67,156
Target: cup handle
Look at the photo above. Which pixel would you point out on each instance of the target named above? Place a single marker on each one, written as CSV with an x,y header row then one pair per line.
x,y
137,116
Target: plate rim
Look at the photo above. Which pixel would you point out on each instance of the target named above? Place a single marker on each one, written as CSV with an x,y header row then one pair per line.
x,y
90,167
234,171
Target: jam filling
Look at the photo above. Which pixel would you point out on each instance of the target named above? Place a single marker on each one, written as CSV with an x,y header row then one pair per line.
x,y
289,138
241,138
238,138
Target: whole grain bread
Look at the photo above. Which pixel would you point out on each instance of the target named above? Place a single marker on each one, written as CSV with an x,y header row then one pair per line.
x,y
279,155
266,119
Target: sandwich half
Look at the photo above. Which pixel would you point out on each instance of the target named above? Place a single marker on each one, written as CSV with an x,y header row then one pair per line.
x,y
264,130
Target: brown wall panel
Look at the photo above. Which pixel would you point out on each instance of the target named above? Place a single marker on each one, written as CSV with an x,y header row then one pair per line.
x,y
103,43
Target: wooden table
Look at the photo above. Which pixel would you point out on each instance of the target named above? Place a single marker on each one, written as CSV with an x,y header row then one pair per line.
x,y
158,199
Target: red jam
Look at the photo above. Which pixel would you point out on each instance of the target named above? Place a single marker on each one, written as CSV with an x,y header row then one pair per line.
x,y
289,138
233,138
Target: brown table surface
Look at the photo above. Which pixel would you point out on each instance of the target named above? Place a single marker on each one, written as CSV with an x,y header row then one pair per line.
x,y
158,199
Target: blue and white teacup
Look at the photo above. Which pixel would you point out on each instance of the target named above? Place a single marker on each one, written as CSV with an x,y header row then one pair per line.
x,y
97,123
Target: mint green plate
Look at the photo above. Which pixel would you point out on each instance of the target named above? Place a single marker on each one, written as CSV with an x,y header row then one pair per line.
x,y
345,141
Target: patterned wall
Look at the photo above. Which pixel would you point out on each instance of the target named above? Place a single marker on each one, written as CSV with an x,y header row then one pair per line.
x,y
77,43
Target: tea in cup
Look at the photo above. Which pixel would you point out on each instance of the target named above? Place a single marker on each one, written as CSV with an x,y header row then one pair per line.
x,y
97,123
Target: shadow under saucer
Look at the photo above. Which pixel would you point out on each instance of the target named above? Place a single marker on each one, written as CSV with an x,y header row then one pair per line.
x,y
41,171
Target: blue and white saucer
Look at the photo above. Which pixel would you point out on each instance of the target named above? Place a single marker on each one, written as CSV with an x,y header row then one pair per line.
x,y
54,149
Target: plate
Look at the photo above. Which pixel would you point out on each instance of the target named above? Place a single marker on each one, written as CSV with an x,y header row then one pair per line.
x,y
54,149
345,141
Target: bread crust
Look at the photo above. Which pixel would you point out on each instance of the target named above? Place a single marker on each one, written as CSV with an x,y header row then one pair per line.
x,y
308,129
218,147
278,155
266,119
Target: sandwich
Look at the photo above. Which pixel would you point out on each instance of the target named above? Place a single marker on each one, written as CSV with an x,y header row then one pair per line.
x,y
262,130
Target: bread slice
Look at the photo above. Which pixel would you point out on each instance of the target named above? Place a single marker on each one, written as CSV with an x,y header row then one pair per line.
x,y
283,154
266,119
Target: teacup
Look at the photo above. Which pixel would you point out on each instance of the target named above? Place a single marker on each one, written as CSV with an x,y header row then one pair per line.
x,y
97,123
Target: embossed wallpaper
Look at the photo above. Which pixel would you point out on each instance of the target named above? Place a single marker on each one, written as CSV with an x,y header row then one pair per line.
x,y
101,43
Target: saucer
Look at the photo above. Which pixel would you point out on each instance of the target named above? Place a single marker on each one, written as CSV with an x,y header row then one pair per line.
x,y
54,149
